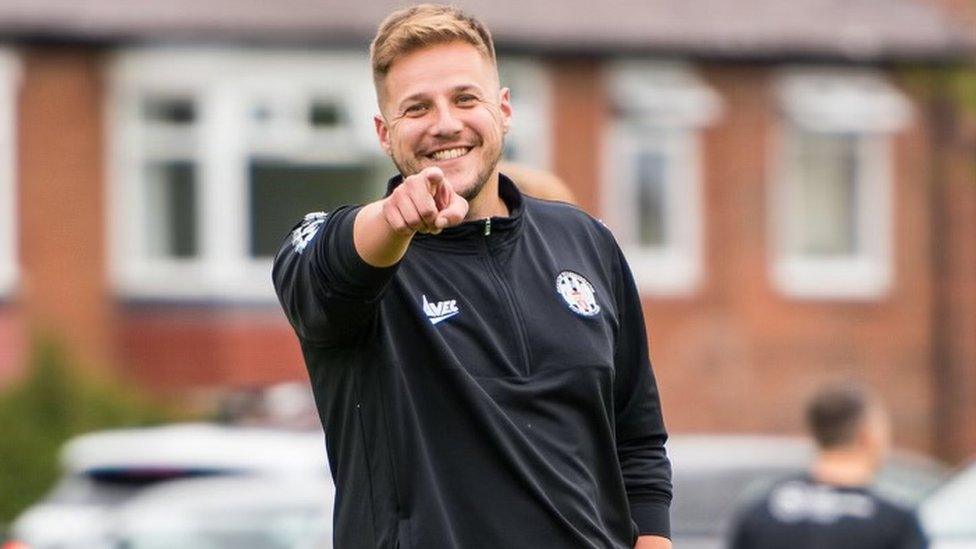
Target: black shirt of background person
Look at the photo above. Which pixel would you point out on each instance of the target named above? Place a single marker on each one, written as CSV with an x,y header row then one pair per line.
x,y
804,514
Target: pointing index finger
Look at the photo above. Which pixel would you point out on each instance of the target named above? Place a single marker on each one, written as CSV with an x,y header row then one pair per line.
x,y
433,176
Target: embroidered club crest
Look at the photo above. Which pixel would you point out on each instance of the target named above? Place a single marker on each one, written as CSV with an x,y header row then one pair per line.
x,y
578,293
303,234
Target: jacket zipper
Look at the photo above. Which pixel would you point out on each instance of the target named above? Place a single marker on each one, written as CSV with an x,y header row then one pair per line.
x,y
516,315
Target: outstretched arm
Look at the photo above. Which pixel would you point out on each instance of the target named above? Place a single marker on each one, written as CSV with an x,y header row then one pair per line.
x,y
333,267
423,203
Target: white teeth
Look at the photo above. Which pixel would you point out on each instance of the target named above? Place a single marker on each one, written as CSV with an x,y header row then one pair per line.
x,y
449,153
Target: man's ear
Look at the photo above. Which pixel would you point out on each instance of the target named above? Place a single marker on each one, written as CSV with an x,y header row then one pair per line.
x,y
505,106
383,133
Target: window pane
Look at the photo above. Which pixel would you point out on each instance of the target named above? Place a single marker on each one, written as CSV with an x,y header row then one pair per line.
x,y
651,198
825,197
169,110
281,193
325,114
171,209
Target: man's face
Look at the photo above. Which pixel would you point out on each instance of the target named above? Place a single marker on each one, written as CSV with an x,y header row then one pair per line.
x,y
441,106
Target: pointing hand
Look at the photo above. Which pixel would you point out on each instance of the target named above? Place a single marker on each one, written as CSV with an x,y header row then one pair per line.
x,y
424,203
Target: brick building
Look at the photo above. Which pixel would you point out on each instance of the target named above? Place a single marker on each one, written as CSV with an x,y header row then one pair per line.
x,y
796,202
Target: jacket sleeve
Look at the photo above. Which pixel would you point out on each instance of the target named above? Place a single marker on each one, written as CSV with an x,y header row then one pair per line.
x,y
329,294
639,422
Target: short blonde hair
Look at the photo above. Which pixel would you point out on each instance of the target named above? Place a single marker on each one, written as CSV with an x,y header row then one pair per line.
x,y
410,29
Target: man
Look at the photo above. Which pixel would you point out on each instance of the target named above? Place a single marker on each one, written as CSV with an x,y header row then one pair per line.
x,y
833,507
478,357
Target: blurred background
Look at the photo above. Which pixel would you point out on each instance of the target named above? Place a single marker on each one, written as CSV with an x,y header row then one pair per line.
x,y
794,184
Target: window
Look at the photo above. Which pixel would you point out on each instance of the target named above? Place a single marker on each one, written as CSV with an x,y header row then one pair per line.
x,y
652,197
218,153
527,141
832,201
9,78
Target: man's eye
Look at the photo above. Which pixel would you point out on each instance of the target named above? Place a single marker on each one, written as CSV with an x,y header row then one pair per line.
x,y
467,99
415,110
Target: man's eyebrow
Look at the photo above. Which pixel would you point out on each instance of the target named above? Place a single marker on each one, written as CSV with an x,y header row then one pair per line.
x,y
466,87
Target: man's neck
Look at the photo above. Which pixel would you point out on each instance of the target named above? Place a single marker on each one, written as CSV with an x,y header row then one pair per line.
x,y
488,203
844,468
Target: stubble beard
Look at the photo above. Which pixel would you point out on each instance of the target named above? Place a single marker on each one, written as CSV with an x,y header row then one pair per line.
x,y
407,169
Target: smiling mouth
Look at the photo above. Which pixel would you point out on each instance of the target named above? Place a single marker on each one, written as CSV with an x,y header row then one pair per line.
x,y
449,154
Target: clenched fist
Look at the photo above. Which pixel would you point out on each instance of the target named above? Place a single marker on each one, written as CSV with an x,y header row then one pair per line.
x,y
424,203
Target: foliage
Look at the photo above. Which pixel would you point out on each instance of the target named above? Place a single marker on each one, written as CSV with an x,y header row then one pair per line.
x,y
52,403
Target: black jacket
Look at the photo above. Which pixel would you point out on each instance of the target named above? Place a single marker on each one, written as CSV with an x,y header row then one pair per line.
x,y
493,389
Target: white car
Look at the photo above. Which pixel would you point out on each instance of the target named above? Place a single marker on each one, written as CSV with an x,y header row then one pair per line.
x,y
104,470
245,512
949,515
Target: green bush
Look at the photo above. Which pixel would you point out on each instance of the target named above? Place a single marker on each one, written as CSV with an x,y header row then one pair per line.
x,y
52,403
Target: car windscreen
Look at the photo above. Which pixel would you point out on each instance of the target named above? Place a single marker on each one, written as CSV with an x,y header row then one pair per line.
x,y
256,528
111,486
706,500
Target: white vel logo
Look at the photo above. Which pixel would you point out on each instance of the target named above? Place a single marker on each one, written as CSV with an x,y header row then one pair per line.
x,y
441,310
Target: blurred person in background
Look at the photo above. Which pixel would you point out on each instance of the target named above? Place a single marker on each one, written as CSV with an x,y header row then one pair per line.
x,y
833,507
537,183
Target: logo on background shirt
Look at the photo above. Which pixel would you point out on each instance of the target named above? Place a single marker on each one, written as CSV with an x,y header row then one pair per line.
x,y
578,293
798,501
304,233
440,310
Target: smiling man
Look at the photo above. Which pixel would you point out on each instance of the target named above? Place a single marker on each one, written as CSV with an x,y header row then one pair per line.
x,y
478,357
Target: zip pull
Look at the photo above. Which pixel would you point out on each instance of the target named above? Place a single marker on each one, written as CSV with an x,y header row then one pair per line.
x,y
487,226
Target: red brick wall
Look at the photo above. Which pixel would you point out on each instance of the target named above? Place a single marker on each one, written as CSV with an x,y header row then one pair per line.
x,y
737,355
12,344
959,295
61,200
178,348
953,191
578,115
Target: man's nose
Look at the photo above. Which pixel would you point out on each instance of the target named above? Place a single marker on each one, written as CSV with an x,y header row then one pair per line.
x,y
447,123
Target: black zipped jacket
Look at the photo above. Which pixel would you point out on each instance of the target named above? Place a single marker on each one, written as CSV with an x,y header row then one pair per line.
x,y
492,389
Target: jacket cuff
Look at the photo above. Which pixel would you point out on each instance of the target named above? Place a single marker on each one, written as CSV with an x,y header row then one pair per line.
x,y
365,280
652,518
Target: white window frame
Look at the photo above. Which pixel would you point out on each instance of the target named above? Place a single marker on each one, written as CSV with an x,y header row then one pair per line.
x,y
531,109
9,86
222,81
837,101
669,100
